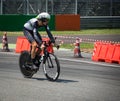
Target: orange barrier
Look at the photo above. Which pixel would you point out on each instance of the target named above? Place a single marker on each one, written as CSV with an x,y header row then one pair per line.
x,y
23,44
103,52
19,44
96,51
110,53
67,22
116,55
106,52
26,45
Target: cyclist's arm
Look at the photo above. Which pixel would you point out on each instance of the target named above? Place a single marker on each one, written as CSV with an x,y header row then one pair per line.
x,y
50,34
51,37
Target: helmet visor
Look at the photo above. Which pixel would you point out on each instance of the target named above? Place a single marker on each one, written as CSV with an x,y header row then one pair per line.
x,y
45,20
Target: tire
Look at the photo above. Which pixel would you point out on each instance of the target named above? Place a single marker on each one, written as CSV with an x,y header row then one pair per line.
x,y
24,56
51,67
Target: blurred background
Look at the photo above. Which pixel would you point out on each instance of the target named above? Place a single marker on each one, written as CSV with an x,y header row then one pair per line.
x,y
93,14
82,7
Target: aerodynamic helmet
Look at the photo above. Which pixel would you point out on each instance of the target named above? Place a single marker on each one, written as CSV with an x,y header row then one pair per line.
x,y
43,16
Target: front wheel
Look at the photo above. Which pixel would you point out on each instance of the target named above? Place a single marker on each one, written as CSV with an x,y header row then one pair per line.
x,y
23,59
51,67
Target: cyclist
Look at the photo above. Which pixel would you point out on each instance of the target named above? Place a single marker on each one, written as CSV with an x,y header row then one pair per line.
x,y
31,33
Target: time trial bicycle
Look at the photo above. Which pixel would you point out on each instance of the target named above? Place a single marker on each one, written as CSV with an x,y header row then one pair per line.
x,y
47,60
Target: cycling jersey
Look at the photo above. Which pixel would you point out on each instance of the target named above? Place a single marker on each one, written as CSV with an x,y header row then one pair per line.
x,y
31,27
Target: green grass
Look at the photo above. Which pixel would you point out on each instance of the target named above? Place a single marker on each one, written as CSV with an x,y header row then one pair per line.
x,y
11,46
82,46
87,32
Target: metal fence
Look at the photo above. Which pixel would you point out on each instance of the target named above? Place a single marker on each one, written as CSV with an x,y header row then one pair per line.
x,y
82,7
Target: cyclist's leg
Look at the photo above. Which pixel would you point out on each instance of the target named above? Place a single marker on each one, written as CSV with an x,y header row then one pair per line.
x,y
40,43
33,51
28,35
35,57
30,38
33,54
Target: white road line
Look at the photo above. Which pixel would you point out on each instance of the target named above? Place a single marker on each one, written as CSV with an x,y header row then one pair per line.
x,y
10,53
91,62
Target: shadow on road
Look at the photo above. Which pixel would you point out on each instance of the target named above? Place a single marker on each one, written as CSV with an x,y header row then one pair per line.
x,y
59,80
41,79
65,81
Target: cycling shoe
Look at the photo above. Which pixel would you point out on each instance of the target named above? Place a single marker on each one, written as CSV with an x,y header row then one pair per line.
x,y
36,62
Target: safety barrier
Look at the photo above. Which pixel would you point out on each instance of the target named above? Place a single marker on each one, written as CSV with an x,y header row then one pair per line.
x,y
106,52
23,44
96,51
116,55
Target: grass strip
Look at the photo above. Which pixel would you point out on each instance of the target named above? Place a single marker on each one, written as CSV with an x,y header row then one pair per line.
x,y
81,32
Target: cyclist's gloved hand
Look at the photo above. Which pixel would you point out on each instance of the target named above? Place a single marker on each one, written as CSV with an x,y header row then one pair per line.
x,y
57,46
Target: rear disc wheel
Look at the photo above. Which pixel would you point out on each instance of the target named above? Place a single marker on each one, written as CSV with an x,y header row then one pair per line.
x,y
23,59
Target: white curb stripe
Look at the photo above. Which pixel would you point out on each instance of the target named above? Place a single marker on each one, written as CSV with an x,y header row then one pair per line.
x,y
90,62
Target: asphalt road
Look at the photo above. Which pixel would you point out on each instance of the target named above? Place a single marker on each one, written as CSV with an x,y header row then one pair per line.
x,y
80,80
